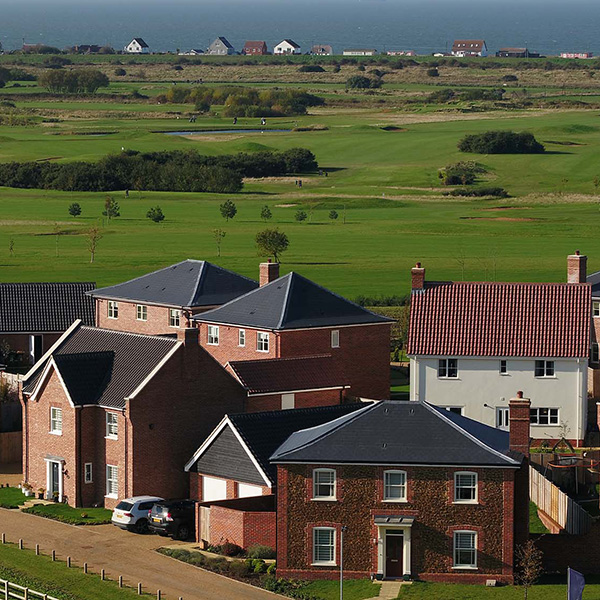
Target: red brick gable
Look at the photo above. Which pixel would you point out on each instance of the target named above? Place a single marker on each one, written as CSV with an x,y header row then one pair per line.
x,y
501,319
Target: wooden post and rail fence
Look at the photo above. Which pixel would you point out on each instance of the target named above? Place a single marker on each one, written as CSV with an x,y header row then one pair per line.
x,y
13,591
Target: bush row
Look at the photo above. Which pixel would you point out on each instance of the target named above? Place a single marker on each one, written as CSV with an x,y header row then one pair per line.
x,y
495,192
501,142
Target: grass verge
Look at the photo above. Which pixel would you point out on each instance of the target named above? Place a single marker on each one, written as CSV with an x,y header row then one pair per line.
x,y
11,497
355,589
73,516
535,524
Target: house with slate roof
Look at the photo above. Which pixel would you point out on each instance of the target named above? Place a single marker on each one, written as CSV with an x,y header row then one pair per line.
x,y
233,478
415,491
471,343
164,301
293,317
110,414
463,48
221,47
34,315
287,46
137,46
255,48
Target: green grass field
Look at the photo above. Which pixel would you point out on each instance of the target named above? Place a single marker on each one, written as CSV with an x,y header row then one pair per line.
x,y
73,516
358,589
11,497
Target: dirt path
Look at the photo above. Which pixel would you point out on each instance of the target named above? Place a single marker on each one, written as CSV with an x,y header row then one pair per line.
x,y
123,553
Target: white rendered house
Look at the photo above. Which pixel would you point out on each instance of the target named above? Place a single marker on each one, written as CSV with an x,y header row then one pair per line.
x,y
137,46
287,47
473,345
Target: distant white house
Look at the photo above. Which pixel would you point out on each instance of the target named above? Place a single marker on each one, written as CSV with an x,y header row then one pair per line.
x,y
462,48
220,47
287,47
359,52
192,52
137,46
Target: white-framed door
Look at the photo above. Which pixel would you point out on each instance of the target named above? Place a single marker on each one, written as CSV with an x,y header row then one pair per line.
x,y
399,548
54,479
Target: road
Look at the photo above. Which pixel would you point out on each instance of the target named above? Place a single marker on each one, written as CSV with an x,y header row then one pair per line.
x,y
127,554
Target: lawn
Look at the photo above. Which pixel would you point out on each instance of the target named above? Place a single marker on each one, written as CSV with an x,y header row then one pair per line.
x,y
356,589
535,524
11,497
41,574
73,516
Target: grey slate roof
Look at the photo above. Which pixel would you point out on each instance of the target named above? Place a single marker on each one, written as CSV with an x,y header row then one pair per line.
x,y
594,279
399,433
291,302
188,284
101,366
44,307
263,433
141,42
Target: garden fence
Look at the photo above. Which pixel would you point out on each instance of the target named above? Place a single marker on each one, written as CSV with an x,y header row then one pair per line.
x,y
13,591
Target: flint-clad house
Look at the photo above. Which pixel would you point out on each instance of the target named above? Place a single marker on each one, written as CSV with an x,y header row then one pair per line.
x,y
255,48
293,317
221,47
164,301
287,46
418,492
471,344
137,46
110,414
463,48
34,315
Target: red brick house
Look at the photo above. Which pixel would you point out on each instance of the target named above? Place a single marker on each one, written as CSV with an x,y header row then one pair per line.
x,y
230,473
34,315
110,414
293,317
255,49
418,492
165,300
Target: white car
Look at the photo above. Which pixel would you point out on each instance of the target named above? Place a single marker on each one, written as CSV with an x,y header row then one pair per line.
x,y
132,513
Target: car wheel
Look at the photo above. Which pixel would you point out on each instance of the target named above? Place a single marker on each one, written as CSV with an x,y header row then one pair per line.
x,y
141,526
183,533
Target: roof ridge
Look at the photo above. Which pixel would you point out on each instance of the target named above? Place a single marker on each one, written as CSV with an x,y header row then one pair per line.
x,y
286,301
200,277
48,283
511,283
281,359
131,333
284,413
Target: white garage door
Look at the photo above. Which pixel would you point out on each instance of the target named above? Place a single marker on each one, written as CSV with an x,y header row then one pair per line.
x,y
213,489
245,490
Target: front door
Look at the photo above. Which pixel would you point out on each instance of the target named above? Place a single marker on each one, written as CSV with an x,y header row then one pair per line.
x,y
53,486
393,555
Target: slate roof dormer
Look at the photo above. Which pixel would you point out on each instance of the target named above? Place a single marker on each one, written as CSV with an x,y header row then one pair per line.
x,y
188,284
291,302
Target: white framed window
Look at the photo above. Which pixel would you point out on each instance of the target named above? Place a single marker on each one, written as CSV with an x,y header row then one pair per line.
x,y
141,312
112,426
335,338
288,401
113,309
595,353
262,341
174,317
323,484
212,336
465,487
544,416
544,368
241,337
88,473
323,546
503,367
502,417
596,309
448,368
465,549
56,420
457,410
394,486
112,481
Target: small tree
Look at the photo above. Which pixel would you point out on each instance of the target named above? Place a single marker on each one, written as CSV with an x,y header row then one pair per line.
x,y
11,247
300,215
228,210
219,235
272,242
266,214
75,209
155,214
111,208
529,565
333,215
93,237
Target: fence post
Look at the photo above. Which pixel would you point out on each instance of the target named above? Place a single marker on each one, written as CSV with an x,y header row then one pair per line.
x,y
26,594
139,589
68,562
53,555
120,581
20,544
37,549
85,568
4,538
157,594
102,575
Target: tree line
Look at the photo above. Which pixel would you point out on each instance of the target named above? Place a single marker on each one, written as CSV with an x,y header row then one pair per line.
x,y
73,82
171,171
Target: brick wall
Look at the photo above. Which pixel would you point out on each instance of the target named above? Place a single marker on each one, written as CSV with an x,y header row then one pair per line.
x,y
242,528
301,400
360,493
229,348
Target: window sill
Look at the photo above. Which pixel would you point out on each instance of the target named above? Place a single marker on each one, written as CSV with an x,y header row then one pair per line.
x,y
175,326
142,320
212,344
395,501
545,377
111,437
542,425
466,568
448,378
112,496
263,351
113,318
468,502
323,564
55,432
88,482
323,499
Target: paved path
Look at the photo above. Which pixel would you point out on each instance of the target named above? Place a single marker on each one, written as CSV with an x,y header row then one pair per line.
x,y
124,553
389,590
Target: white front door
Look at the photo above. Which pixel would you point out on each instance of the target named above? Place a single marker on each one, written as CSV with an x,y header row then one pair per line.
x,y
54,480
213,489
245,490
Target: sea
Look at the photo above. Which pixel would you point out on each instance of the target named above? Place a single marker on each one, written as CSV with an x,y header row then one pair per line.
x,y
424,26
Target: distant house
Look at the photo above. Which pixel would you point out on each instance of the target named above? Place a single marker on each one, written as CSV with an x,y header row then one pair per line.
x,y
255,48
401,53
220,47
360,52
322,50
137,46
576,55
192,52
462,48
516,53
287,47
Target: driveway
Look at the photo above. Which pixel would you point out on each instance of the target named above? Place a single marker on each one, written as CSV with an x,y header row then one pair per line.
x,y
127,554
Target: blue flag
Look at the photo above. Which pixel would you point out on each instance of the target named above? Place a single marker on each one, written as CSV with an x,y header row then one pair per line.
x,y
575,585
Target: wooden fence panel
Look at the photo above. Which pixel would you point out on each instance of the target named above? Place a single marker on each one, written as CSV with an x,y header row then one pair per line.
x,y
12,591
11,447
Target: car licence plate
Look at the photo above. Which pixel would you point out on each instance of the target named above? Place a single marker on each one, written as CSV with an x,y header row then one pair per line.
x,y
155,520
119,515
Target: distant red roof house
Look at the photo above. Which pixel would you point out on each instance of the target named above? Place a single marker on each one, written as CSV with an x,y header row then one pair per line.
x,y
255,48
463,48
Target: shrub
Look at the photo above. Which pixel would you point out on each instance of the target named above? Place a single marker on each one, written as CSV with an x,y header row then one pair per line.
x,y
461,173
271,569
300,215
230,549
155,214
239,569
510,78
496,192
360,82
259,566
433,72
220,565
120,72
311,69
501,142
260,551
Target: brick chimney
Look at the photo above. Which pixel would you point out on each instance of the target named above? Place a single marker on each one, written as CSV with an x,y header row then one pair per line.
x,y
188,335
418,277
576,268
269,271
519,423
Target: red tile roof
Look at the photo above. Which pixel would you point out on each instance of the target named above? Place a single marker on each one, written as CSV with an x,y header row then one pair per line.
x,y
289,374
543,320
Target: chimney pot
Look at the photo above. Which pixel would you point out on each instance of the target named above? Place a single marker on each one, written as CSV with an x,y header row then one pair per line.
x,y
519,394
269,271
